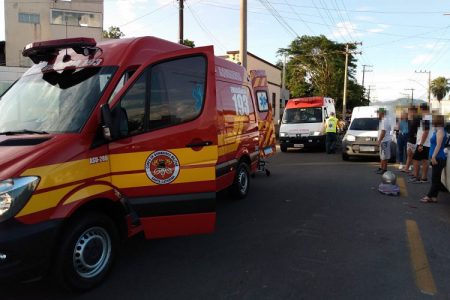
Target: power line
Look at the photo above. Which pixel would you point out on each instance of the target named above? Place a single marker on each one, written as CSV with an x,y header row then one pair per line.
x,y
300,17
204,28
144,15
278,17
371,11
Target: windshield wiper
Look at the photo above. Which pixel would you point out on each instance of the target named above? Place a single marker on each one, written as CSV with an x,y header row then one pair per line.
x,y
23,131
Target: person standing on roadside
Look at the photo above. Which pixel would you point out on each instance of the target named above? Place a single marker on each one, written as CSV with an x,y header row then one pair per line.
x,y
384,140
423,147
402,138
438,158
331,129
413,125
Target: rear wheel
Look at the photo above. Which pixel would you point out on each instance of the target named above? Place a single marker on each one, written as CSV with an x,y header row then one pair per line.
x,y
283,148
241,184
88,247
345,156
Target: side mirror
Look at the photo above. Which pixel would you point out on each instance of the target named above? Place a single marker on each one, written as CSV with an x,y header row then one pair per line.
x,y
106,122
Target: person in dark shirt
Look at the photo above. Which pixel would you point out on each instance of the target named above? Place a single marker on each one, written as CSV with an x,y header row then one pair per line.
x,y
413,125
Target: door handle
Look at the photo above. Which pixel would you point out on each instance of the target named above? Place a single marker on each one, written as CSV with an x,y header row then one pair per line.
x,y
199,144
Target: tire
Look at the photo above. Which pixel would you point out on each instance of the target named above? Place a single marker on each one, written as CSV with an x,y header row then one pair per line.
x,y
87,251
241,184
283,148
345,156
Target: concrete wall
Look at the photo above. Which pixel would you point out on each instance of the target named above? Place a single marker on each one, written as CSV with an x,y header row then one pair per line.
x,y
19,34
8,75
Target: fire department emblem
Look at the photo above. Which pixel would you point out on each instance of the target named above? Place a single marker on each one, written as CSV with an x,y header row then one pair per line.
x,y
162,167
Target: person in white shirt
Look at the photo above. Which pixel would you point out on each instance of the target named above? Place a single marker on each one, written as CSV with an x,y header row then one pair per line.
x,y
384,140
423,147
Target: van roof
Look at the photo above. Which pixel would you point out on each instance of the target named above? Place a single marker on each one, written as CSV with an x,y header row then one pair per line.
x,y
308,102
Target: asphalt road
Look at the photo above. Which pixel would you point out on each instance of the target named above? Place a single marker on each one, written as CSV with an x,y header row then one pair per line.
x,y
317,228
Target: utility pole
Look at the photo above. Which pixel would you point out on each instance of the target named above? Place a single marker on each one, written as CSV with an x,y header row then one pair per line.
x,y
364,72
344,99
412,95
370,88
429,83
180,21
243,48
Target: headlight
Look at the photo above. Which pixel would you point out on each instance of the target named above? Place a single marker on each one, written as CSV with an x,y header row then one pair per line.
x,y
14,194
283,134
315,133
350,138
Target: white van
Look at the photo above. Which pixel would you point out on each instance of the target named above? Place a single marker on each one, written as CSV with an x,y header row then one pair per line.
x,y
362,134
303,122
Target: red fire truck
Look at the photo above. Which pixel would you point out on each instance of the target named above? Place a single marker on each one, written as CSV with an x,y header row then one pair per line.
x,y
101,141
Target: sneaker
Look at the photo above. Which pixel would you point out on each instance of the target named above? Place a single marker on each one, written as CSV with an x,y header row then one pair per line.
x,y
381,171
400,167
421,181
413,180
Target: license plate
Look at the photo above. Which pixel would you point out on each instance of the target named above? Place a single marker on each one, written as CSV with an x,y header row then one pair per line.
x,y
367,148
299,145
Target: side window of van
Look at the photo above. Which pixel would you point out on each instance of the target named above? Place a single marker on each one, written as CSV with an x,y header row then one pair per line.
x,y
126,75
177,91
129,113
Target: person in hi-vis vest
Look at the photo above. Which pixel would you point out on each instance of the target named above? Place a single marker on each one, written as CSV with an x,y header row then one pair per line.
x,y
331,129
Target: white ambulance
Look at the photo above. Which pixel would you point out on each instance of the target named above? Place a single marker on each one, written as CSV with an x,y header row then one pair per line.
x,y
303,122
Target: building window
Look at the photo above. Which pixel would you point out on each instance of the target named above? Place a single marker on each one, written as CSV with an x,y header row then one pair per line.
x,y
75,18
29,18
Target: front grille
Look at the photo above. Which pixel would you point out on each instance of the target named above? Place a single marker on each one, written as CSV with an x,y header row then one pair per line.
x,y
366,139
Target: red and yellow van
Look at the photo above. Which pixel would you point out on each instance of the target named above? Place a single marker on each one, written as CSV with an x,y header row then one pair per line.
x,y
101,141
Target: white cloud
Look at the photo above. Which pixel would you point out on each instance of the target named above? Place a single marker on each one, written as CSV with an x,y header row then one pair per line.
x,y
365,18
437,45
375,30
345,30
379,28
421,59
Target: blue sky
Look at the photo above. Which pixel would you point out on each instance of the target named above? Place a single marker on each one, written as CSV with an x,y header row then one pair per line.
x,y
399,37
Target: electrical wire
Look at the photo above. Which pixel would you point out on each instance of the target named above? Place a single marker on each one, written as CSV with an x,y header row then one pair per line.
x,y
205,28
299,17
278,17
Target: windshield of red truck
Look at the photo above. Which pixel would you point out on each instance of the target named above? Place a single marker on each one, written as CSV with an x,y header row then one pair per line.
x,y
54,101
302,115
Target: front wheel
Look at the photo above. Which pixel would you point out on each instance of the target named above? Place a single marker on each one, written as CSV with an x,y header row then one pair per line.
x,y
241,184
87,251
345,157
283,148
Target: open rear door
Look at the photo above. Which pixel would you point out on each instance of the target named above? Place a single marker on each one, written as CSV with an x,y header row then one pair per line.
x,y
265,114
164,163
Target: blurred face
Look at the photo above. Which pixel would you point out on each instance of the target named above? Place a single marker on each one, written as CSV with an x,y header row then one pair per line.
x,y
380,115
438,121
411,114
404,115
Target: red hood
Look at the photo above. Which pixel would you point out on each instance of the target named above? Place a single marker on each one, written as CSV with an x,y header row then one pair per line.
x,y
21,152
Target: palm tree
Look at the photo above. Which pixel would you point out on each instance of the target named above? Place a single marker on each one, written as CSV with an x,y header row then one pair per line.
x,y
440,87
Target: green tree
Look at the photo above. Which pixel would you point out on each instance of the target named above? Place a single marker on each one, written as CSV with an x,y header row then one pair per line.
x,y
440,87
113,32
316,67
188,43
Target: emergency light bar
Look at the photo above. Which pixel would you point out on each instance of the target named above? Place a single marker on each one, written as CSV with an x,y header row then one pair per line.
x,y
47,50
